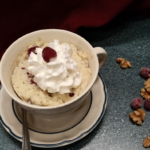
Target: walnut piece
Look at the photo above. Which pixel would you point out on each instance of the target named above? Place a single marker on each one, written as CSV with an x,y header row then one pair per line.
x,y
145,94
146,142
123,63
147,85
39,43
119,60
138,116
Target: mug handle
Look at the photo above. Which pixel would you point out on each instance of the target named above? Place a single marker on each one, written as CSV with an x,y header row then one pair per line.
x,y
102,55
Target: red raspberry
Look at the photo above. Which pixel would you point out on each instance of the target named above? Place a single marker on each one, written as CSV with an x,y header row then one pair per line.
x,y
48,53
147,104
145,72
136,103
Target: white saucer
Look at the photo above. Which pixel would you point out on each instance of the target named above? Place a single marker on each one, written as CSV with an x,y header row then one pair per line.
x,y
95,106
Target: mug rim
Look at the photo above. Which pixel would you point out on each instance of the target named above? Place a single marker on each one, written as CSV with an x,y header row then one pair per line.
x,y
26,104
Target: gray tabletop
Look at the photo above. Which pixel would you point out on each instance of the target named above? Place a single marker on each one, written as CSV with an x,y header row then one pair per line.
x,y
124,37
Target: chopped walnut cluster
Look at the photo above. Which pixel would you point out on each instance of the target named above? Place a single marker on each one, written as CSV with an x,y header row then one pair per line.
x,y
146,142
138,116
145,92
147,85
123,63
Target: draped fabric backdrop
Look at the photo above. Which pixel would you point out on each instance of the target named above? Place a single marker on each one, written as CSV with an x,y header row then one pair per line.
x,y
21,17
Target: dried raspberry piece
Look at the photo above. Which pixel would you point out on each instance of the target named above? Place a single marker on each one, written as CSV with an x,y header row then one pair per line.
x,y
32,82
136,103
48,53
32,49
71,94
145,72
147,104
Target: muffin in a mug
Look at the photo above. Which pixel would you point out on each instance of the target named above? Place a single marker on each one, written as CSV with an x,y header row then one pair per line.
x,y
51,73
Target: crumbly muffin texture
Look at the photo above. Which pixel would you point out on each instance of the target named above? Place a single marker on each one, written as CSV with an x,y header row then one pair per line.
x,y
31,93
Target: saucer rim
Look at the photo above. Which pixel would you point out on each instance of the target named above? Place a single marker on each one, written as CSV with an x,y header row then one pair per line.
x,y
66,142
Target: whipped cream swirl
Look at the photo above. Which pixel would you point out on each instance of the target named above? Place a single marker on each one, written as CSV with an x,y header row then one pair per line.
x,y
58,75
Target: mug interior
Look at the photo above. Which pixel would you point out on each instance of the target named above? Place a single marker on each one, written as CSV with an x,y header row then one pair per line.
x,y
8,59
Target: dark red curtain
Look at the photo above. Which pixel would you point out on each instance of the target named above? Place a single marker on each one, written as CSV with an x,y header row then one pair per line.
x,y
20,17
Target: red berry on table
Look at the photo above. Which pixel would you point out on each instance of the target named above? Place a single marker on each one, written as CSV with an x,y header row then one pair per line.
x,y
147,104
48,53
145,72
136,103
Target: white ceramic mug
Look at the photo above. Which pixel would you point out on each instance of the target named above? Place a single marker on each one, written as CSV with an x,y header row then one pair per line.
x,y
7,67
